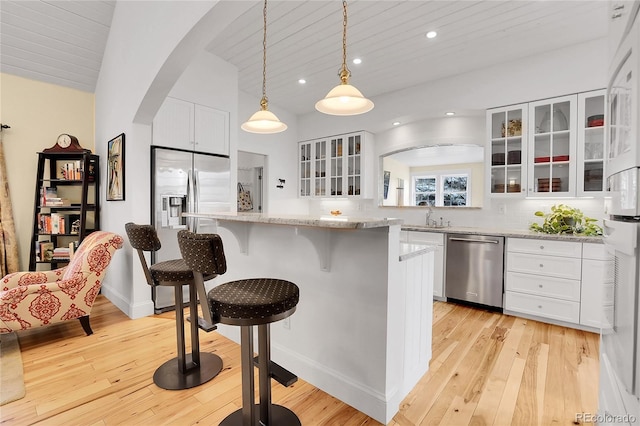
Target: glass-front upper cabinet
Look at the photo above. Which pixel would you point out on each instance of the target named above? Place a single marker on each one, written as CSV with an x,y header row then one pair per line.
x,y
354,161
304,171
320,168
336,157
552,147
507,128
591,143
336,166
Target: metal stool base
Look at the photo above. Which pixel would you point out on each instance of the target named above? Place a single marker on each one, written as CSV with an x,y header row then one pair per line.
x,y
168,375
280,416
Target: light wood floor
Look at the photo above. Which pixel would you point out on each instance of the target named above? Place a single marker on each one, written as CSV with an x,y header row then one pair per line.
x,y
487,368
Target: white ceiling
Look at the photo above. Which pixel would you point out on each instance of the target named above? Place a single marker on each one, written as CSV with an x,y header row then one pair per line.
x,y
62,42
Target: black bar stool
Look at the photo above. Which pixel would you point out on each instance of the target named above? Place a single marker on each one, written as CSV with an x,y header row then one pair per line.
x,y
186,370
247,302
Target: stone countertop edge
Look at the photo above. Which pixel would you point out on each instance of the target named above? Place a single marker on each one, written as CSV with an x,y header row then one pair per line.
x,y
513,233
328,221
409,250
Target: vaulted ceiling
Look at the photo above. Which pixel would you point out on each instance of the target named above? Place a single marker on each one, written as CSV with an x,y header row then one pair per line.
x,y
62,42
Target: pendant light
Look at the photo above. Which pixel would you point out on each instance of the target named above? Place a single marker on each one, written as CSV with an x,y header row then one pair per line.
x,y
264,121
344,99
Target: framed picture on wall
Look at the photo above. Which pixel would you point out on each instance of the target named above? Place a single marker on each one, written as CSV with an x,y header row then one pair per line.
x,y
115,168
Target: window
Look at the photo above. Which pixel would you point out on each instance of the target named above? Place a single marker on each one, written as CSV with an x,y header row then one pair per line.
x,y
441,189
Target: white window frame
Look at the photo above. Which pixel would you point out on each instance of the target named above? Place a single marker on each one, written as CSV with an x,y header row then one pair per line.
x,y
440,177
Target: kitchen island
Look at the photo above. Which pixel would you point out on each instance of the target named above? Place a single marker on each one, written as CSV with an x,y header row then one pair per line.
x,y
362,328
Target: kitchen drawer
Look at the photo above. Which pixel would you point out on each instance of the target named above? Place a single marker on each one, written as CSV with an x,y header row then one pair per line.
x,y
547,307
546,247
552,266
425,237
559,288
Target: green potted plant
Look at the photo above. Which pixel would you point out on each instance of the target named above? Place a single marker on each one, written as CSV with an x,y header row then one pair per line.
x,y
566,220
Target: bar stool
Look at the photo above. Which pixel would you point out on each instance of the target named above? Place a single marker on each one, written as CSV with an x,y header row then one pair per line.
x,y
186,370
247,302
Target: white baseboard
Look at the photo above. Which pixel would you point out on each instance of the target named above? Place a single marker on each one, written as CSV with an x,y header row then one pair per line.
x,y
133,311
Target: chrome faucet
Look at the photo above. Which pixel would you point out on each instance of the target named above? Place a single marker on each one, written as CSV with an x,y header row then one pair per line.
x,y
429,212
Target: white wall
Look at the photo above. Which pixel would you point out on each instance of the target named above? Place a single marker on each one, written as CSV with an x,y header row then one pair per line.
x,y
150,45
575,69
282,159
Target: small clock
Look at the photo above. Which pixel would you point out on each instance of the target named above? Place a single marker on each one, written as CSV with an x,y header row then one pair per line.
x,y
66,143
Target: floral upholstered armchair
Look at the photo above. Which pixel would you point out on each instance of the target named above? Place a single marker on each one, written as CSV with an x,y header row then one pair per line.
x,y
34,299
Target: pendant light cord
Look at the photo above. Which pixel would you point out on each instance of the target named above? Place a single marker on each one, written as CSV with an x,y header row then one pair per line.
x,y
344,73
264,101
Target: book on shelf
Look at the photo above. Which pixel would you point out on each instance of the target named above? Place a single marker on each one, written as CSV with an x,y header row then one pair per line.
x,y
58,223
46,251
71,170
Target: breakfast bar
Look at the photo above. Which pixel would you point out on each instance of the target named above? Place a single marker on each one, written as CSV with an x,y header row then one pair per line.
x,y
362,328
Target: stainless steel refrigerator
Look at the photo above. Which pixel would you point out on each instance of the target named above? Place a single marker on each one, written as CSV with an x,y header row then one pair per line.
x,y
183,181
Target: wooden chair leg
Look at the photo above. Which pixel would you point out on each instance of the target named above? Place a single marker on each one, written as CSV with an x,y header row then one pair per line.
x,y
84,322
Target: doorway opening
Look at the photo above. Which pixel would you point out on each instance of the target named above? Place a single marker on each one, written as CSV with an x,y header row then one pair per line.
x,y
251,171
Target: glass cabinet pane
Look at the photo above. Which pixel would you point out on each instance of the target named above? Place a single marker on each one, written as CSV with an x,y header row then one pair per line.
x,y
305,169
552,147
506,151
591,142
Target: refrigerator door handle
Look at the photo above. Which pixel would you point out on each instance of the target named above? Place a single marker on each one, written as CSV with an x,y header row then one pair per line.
x,y
189,199
196,197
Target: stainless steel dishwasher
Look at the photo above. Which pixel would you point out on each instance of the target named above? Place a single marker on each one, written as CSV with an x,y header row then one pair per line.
x,y
474,269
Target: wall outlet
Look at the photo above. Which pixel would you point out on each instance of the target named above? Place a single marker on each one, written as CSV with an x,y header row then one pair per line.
x,y
286,323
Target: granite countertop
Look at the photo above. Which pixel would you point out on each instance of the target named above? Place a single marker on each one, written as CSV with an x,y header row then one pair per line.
x,y
515,233
409,250
328,221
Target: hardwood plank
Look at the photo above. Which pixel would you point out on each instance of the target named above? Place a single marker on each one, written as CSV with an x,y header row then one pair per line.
x,y
487,369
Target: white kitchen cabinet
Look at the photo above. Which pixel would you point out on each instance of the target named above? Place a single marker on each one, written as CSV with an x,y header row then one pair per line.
x,y
336,166
437,239
548,148
564,281
506,164
543,278
597,285
551,163
591,143
193,127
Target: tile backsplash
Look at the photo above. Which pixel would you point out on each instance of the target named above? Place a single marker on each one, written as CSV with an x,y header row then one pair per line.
x,y
496,213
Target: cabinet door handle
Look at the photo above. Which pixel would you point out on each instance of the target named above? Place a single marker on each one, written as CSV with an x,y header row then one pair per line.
x,y
616,15
542,265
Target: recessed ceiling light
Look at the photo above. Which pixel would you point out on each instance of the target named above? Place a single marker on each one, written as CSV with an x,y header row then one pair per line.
x,y
396,123
432,34
450,113
357,61
302,81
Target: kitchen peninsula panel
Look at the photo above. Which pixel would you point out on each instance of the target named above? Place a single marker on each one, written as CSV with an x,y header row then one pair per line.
x,y
362,329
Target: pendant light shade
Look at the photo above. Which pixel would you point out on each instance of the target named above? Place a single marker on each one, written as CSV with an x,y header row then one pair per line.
x,y
344,99
264,121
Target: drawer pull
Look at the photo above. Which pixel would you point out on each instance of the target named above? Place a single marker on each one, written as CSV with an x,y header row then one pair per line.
x,y
539,306
540,285
541,265
541,247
